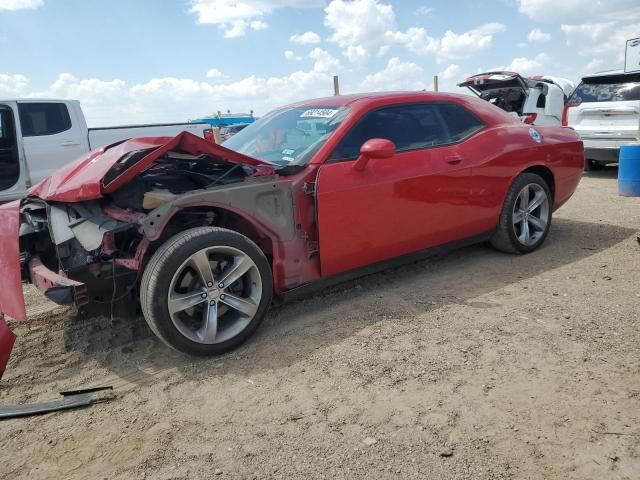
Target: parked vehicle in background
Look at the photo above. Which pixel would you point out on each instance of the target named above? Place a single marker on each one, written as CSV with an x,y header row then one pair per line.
x,y
37,137
536,101
225,119
605,111
230,130
203,236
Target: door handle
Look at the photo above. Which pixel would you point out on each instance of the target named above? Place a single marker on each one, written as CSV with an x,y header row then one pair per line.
x,y
454,160
69,143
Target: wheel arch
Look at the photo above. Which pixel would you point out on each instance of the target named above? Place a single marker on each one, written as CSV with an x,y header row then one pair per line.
x,y
545,173
211,214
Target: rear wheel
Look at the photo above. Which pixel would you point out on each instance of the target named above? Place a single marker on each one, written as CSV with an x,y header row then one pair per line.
x,y
526,215
206,290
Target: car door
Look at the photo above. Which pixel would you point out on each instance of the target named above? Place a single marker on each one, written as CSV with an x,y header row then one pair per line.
x,y
396,205
50,139
12,174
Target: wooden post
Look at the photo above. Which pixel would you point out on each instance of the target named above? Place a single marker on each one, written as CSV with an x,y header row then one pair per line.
x,y
435,83
336,86
216,135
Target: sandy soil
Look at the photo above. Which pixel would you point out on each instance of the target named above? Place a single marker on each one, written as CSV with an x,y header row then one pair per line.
x,y
472,365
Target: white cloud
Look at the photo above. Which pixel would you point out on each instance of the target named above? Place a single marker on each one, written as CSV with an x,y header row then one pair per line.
x,y
593,66
451,72
580,11
289,55
324,61
12,86
364,26
305,38
451,45
234,16
593,32
601,38
397,75
214,73
424,10
13,5
526,66
538,36
359,26
259,25
173,99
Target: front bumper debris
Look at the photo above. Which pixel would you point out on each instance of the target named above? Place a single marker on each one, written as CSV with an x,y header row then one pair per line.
x,y
58,289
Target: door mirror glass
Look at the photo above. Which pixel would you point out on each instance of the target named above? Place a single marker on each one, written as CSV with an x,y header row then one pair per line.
x,y
374,148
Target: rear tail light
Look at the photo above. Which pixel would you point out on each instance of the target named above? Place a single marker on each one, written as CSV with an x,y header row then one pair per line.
x,y
207,133
565,115
565,111
530,118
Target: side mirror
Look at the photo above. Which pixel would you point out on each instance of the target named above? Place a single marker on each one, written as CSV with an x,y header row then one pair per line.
x,y
374,148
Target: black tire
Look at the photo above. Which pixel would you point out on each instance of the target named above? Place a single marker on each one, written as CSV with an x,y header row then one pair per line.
x,y
505,238
165,262
592,165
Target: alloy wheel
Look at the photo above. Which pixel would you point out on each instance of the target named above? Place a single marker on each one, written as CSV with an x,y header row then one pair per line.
x,y
531,214
214,294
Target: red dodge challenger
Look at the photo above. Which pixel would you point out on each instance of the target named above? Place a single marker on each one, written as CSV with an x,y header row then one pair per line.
x,y
202,238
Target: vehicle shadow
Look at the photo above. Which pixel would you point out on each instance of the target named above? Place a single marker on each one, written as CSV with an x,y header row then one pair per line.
x,y
607,172
294,331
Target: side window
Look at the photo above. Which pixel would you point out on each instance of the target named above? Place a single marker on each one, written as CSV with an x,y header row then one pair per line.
x,y
542,101
7,132
409,127
460,122
38,119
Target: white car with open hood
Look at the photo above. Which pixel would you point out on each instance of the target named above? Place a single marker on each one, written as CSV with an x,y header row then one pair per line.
x,y
605,111
536,100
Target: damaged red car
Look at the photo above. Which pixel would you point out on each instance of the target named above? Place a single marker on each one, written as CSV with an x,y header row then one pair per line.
x,y
202,238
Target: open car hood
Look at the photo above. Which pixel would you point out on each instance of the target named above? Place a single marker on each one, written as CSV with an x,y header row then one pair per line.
x,y
489,80
84,178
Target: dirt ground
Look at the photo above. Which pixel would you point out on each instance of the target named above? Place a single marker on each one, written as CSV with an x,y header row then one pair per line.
x,y
472,365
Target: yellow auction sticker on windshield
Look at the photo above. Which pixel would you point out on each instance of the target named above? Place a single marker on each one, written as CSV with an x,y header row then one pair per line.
x,y
319,113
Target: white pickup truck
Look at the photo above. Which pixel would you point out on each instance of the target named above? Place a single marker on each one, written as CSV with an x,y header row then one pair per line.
x,y
39,136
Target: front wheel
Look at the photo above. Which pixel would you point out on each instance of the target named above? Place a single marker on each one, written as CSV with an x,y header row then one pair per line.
x,y
206,290
526,215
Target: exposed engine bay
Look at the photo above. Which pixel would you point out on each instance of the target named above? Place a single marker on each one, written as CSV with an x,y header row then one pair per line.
x,y
173,174
101,243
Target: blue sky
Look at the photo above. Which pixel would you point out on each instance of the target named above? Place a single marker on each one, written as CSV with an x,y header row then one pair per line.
x,y
145,60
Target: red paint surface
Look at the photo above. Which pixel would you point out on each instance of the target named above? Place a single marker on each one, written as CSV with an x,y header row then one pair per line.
x,y
424,198
7,339
81,179
11,296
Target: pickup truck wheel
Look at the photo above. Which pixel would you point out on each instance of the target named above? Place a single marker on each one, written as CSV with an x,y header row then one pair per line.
x,y
526,215
206,290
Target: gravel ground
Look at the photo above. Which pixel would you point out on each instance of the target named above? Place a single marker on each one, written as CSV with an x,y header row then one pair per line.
x,y
472,365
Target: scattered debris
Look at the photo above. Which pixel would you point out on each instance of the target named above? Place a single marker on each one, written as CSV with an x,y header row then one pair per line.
x,y
370,441
70,399
447,452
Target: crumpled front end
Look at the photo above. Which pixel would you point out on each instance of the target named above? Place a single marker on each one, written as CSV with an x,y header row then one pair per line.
x,y
79,236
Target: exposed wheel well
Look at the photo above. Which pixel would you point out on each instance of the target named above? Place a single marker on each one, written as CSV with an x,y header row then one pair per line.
x,y
547,176
193,217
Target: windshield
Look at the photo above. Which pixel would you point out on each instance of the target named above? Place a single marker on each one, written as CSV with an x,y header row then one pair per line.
x,y
288,136
608,89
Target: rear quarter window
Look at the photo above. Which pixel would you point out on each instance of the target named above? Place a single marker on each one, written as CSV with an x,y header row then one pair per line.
x,y
460,122
38,119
